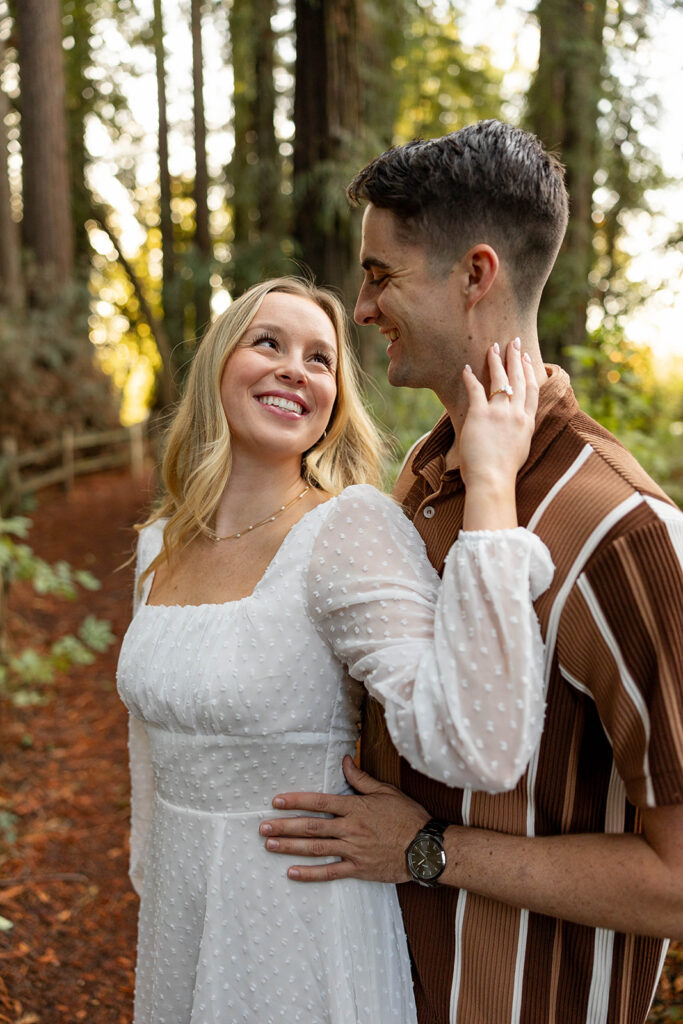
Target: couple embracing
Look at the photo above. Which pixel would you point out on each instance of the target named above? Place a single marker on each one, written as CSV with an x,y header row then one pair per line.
x,y
511,848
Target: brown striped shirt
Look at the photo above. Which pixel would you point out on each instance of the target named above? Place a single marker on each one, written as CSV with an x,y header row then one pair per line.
x,y
613,739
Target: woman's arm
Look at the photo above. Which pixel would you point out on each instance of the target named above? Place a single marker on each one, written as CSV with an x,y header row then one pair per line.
x,y
457,664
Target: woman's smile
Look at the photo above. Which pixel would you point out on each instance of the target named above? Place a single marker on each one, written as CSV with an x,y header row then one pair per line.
x,y
280,403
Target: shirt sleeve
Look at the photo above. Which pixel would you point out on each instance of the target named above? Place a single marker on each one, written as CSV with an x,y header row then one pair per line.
x,y
141,774
620,640
456,663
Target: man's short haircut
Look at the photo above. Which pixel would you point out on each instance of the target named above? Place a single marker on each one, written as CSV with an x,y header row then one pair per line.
x,y
489,182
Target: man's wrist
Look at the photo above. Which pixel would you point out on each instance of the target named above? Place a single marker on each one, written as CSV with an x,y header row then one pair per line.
x,y
426,855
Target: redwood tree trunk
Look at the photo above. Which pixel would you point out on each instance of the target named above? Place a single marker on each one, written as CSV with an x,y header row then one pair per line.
x,y
47,223
327,121
11,290
170,283
563,112
202,238
256,168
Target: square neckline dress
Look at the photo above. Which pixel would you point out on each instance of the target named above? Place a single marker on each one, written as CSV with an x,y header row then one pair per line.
x,y
241,700
231,703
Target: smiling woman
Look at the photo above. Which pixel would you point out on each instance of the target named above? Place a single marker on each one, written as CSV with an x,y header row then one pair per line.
x,y
341,448
279,385
274,588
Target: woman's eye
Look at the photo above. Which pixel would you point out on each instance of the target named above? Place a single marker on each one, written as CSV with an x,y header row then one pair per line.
x,y
266,340
322,357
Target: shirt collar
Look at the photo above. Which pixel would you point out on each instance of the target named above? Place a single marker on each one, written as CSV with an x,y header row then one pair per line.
x,y
556,404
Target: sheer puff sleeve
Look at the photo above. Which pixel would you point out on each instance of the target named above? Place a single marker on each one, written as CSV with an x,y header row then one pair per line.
x,y
141,775
456,663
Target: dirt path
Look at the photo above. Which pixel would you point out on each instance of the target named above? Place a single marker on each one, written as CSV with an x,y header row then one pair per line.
x,y
64,779
64,800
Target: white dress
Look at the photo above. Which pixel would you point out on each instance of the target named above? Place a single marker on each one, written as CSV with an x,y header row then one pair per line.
x,y
232,703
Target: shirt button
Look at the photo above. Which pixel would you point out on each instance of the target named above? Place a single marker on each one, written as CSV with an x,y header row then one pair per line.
x,y
428,511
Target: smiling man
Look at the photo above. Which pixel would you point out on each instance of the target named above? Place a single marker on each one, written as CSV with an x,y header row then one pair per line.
x,y
548,904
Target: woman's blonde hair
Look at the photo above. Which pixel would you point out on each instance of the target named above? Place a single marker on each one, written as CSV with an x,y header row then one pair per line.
x,y
197,458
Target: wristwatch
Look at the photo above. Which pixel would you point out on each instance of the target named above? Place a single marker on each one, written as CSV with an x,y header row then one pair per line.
x,y
425,855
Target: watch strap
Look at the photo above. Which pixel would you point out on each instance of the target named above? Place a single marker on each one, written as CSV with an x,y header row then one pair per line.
x,y
435,827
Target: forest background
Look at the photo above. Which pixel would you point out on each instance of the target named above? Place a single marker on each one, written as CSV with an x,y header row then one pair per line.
x,y
121,236
158,157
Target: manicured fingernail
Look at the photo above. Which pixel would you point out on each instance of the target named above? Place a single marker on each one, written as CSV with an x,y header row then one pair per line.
x,y
517,342
278,802
496,348
272,844
526,357
468,368
294,873
265,829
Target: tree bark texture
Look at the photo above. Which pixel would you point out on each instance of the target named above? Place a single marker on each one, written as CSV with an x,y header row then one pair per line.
x,y
11,287
327,123
563,111
170,295
47,223
256,167
76,61
202,238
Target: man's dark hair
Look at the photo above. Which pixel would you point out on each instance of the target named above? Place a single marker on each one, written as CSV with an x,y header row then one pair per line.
x,y
489,182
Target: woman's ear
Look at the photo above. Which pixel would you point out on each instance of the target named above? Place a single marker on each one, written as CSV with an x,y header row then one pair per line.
x,y
481,269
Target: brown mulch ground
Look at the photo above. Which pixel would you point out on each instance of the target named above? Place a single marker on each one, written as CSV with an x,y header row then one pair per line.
x,y
64,792
70,955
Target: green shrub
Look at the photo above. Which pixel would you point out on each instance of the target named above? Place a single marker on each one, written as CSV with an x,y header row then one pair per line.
x,y
23,670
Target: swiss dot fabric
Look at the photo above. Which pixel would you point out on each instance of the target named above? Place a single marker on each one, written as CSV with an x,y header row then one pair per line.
x,y
457,663
231,703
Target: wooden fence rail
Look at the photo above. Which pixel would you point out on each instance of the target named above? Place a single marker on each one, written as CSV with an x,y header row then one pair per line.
x,y
62,460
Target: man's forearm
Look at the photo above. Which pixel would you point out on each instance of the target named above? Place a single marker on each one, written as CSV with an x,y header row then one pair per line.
x,y
611,881
630,883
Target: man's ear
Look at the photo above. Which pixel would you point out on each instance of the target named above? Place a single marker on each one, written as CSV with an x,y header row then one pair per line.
x,y
480,267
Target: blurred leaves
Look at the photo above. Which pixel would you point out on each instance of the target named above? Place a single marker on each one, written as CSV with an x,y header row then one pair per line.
x,y
23,670
616,383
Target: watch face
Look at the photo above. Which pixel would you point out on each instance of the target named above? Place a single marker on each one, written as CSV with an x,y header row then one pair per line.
x,y
426,858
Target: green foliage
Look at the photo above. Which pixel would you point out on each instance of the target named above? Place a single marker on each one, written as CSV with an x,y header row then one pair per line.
x,y
7,826
616,384
405,415
24,670
592,98
443,85
48,376
91,94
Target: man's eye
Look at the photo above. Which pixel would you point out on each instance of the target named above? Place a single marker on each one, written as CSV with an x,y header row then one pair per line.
x,y
379,280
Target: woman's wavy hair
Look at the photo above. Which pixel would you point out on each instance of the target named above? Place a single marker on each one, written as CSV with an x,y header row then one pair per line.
x,y
197,458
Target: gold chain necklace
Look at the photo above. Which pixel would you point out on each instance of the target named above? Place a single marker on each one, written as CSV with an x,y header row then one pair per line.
x,y
268,519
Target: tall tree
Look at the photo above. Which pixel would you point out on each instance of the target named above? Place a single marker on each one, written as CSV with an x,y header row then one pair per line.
x,y
563,111
171,285
441,85
90,94
11,285
588,100
255,171
327,118
78,58
202,239
47,223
